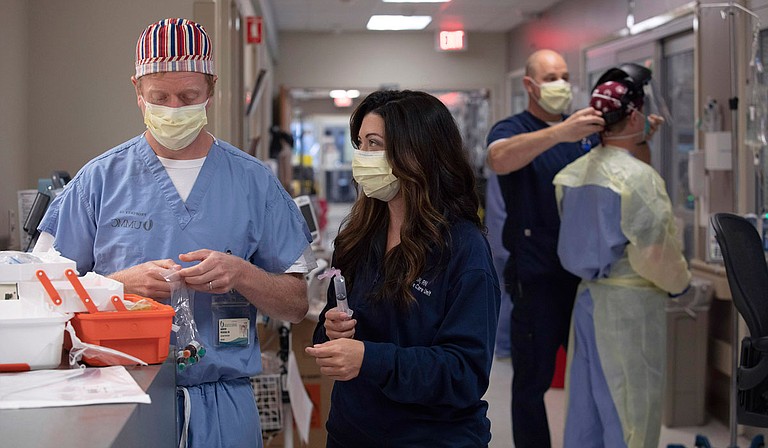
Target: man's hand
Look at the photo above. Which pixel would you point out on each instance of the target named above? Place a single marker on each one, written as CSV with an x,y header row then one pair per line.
x,y
147,279
511,154
280,296
339,359
216,272
580,124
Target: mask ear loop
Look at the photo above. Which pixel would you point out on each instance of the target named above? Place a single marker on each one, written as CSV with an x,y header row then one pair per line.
x,y
644,132
529,85
608,118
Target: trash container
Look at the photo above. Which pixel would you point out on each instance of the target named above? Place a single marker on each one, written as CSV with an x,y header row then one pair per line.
x,y
687,333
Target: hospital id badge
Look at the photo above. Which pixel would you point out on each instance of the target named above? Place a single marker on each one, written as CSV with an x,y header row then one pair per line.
x,y
231,319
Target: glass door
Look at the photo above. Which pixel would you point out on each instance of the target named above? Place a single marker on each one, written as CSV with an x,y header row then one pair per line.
x,y
677,137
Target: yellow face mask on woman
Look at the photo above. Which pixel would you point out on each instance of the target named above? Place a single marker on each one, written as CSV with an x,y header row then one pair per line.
x,y
372,171
175,127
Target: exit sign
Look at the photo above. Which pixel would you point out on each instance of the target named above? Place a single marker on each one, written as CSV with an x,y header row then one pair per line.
x,y
451,40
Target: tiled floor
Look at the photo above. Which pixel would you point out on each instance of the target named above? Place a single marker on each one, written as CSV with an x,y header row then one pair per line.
x,y
498,397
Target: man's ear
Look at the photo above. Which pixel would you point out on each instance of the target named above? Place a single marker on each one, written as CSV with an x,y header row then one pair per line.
x,y
136,88
528,84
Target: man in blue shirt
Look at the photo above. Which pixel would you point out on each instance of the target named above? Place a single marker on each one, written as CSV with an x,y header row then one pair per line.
x,y
526,151
176,197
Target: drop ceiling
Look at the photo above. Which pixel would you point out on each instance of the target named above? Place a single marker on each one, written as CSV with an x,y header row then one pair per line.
x,y
352,15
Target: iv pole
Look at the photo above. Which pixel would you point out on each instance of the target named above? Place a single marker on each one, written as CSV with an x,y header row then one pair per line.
x,y
729,11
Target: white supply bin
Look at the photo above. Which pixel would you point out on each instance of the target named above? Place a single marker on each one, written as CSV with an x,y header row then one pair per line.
x,y
32,336
22,266
100,289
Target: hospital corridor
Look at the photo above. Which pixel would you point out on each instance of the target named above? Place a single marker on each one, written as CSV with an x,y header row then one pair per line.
x,y
384,223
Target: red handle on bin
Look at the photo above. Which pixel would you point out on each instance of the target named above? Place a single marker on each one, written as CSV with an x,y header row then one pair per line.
x,y
48,286
80,290
119,305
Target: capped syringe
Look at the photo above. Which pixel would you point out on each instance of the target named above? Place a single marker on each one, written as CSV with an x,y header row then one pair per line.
x,y
341,294
339,285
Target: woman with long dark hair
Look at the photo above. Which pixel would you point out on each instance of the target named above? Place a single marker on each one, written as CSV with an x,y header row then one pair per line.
x,y
412,362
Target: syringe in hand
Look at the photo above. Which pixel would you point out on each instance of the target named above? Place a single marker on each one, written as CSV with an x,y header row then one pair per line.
x,y
341,294
339,285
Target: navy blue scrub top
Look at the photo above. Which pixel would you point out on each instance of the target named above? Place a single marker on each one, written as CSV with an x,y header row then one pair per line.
x,y
532,224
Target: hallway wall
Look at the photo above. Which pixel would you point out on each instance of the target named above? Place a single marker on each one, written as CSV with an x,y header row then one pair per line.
x,y
13,125
65,85
81,58
408,60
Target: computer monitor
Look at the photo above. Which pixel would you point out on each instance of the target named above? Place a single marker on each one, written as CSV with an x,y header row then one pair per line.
x,y
308,211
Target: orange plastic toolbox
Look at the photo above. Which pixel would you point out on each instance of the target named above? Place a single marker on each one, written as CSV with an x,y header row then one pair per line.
x,y
144,334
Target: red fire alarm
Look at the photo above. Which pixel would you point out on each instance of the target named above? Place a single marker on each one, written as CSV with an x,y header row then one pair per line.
x,y
253,26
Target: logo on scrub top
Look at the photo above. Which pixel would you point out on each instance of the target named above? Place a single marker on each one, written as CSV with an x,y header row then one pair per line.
x,y
132,223
420,285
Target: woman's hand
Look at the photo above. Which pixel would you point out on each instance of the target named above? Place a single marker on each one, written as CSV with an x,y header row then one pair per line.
x,y
339,324
339,359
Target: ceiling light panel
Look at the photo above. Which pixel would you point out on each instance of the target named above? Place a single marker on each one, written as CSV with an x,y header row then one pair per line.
x,y
398,23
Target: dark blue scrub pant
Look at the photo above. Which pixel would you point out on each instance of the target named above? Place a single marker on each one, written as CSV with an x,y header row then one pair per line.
x,y
541,316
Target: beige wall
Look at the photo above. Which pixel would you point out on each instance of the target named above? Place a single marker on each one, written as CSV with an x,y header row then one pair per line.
x,y
65,85
13,109
368,60
760,7
81,100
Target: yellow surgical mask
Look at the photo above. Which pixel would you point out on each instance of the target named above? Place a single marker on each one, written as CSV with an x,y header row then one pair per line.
x,y
372,171
555,96
175,127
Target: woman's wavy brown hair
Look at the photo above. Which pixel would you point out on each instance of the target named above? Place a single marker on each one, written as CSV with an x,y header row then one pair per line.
x,y
424,148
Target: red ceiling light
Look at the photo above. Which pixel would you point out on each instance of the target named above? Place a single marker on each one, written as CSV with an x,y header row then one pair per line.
x,y
343,101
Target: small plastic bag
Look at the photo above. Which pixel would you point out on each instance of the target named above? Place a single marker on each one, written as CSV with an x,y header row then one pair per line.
x,y
139,305
189,346
16,257
105,355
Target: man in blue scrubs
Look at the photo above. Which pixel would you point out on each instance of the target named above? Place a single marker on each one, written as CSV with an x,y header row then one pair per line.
x,y
526,151
176,197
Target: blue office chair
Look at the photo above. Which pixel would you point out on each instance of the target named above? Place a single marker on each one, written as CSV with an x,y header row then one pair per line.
x,y
747,273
